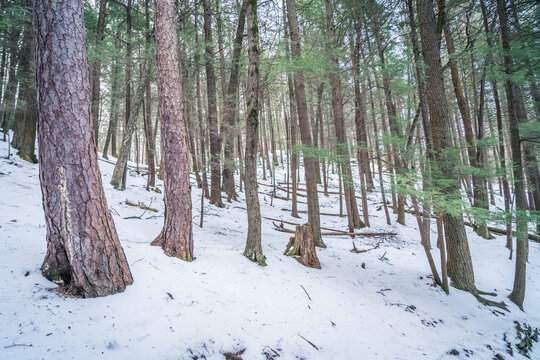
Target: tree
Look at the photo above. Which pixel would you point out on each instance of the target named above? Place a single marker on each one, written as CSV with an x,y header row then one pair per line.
x,y
522,249
83,250
176,238
215,143
339,124
96,68
460,267
305,133
253,250
230,107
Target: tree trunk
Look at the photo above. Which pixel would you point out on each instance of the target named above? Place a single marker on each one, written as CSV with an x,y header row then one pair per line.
x,y
478,183
460,267
176,238
200,119
293,118
395,129
96,68
118,180
309,166
253,250
522,251
230,109
122,183
150,145
28,143
83,251
28,130
342,146
113,113
215,143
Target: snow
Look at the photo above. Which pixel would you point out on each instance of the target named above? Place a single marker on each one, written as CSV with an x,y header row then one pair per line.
x,y
222,302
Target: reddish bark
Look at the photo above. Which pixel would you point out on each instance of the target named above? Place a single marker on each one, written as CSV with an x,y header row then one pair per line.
x,y
176,238
83,251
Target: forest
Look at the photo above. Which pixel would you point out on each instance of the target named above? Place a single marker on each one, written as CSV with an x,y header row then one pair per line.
x,y
273,179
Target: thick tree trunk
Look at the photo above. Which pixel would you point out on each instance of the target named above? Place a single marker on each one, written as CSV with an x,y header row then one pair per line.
x,y
305,133
176,238
215,143
253,250
83,251
460,267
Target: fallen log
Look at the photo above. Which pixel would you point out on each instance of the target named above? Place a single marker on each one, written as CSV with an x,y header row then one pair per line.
x,y
290,231
141,206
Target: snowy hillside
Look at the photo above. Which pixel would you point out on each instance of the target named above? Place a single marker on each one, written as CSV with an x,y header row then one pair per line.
x,y
374,305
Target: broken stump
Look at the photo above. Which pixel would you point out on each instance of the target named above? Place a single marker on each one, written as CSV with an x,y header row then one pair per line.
x,y
302,247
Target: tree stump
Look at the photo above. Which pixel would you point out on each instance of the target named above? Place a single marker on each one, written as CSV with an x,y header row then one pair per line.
x,y
302,247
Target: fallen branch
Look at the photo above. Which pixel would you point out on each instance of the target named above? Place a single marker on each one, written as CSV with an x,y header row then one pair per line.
x,y
14,345
141,206
357,251
280,227
295,224
309,297
310,343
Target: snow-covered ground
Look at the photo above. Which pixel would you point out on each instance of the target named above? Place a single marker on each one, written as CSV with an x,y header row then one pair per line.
x,y
374,305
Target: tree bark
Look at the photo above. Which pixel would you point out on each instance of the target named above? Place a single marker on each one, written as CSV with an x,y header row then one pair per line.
x,y
150,145
230,109
113,112
353,216
460,267
253,250
118,180
305,133
293,118
478,183
522,250
215,142
302,247
96,68
83,251
395,129
176,238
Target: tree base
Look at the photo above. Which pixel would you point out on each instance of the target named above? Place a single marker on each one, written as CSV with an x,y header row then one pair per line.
x,y
170,250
